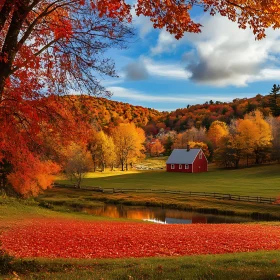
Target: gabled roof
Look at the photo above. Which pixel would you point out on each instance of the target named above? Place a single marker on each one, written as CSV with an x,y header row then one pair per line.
x,y
182,156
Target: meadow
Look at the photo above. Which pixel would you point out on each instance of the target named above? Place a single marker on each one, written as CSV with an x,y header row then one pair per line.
x,y
255,181
17,215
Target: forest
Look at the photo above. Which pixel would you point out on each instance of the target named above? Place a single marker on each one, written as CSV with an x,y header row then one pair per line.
x,y
113,134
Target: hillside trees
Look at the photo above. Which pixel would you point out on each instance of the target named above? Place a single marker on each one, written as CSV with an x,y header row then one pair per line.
x,y
275,130
263,136
248,137
156,148
274,100
105,150
216,132
52,47
129,144
47,48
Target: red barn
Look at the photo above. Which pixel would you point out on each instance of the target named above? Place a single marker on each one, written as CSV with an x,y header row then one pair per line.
x,y
187,160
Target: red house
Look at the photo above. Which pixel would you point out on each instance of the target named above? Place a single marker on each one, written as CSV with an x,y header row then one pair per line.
x,y
187,160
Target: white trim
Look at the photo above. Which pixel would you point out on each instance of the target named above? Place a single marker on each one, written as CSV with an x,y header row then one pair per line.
x,y
180,166
198,154
192,168
172,166
187,166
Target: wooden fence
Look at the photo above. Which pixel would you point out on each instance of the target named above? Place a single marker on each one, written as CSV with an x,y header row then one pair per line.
x,y
256,199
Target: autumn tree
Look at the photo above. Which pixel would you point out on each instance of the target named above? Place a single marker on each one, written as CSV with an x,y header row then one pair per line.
x,y
129,143
248,137
181,141
78,163
156,148
261,135
216,132
275,130
200,145
105,150
274,100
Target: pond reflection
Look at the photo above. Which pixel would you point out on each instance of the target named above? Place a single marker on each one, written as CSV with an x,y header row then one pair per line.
x,y
163,216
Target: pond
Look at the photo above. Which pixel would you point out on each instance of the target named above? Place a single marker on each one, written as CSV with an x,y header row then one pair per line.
x,y
163,216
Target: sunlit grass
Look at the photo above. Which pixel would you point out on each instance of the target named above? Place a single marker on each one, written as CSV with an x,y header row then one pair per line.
x,y
255,181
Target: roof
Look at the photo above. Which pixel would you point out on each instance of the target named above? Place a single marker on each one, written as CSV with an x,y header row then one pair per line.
x,y
182,156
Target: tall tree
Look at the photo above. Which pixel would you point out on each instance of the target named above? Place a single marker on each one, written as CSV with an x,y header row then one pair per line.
x,y
275,129
274,100
48,48
156,148
105,149
129,143
78,163
216,132
262,135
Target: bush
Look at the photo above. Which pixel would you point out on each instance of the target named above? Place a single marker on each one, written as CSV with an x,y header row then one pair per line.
x,y
5,262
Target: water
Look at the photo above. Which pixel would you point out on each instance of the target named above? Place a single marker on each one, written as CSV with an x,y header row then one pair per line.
x,y
164,216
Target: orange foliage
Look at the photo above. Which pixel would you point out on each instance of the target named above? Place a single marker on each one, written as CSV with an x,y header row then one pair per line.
x,y
32,175
175,15
157,148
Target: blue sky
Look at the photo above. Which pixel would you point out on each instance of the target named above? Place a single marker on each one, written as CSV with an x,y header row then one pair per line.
x,y
221,63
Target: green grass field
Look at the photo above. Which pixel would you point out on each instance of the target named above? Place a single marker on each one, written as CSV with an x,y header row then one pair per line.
x,y
255,181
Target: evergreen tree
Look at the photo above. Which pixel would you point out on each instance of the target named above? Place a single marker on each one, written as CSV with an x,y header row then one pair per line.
x,y
273,100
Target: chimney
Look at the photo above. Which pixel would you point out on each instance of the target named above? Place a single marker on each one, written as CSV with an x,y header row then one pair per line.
x,y
188,148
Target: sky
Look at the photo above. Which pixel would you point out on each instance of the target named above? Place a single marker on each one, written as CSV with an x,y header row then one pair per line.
x,y
221,63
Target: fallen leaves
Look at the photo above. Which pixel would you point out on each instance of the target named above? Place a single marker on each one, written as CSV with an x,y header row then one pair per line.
x,y
78,239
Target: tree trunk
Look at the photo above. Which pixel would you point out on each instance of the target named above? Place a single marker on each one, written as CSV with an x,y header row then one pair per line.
x,y
78,185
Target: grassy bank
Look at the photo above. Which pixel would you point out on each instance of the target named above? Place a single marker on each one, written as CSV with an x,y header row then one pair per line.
x,y
253,266
76,198
254,181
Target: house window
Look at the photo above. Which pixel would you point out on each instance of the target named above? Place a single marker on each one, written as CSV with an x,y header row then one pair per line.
x,y
200,155
172,166
180,166
186,166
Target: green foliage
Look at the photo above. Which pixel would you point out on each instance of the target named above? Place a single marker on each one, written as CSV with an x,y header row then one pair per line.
x,y
259,266
274,100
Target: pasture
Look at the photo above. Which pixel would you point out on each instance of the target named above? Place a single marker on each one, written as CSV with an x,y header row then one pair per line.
x,y
254,181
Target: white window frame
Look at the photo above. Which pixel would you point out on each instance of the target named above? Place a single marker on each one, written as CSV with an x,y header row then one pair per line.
x,y
172,166
180,166
200,155
187,166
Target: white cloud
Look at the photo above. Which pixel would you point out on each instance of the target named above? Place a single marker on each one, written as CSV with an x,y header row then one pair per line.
x,y
226,55
166,43
166,70
145,67
143,23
